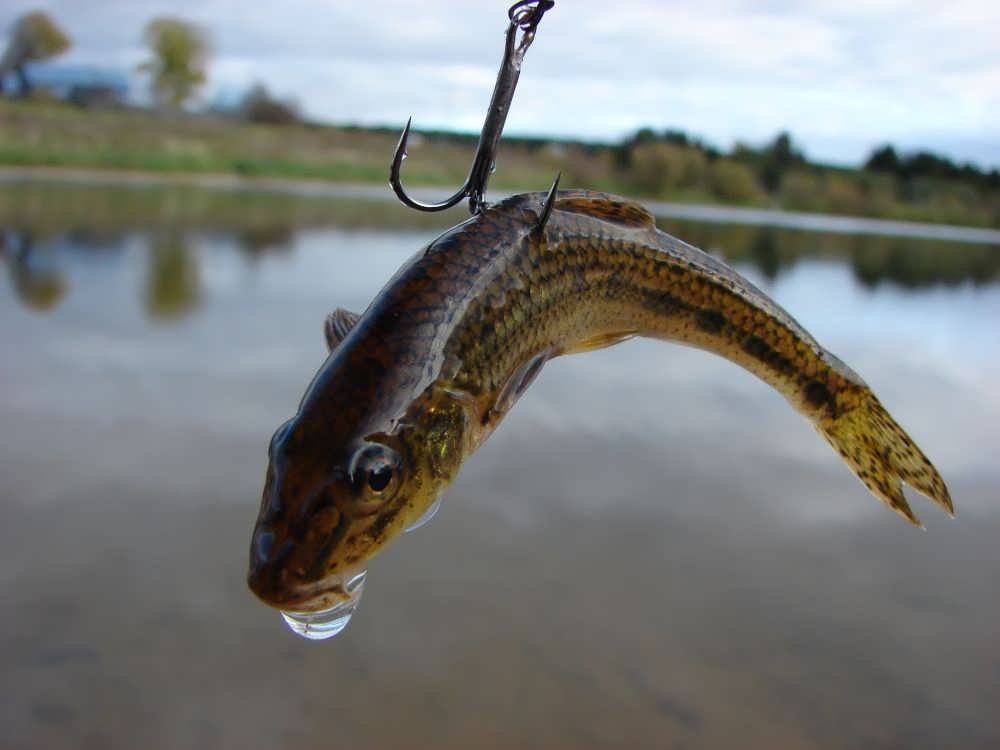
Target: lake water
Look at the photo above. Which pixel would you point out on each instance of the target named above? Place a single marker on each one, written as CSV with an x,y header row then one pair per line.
x,y
653,550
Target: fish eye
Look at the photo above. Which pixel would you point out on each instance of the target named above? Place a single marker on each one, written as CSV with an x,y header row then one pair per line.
x,y
375,470
379,477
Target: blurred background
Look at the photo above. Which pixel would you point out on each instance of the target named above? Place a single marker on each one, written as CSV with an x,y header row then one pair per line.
x,y
654,550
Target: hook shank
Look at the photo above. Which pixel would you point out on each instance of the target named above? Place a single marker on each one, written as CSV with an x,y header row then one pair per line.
x,y
525,16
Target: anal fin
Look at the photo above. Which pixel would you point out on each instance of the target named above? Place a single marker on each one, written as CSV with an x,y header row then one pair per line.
x,y
600,341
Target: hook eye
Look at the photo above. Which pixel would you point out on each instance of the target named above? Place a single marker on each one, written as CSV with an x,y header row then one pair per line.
x,y
527,18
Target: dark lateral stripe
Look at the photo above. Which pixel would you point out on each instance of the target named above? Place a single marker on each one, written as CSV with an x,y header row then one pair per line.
x,y
760,350
663,302
817,394
710,321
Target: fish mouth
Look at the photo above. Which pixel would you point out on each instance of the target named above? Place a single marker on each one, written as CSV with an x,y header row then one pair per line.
x,y
314,596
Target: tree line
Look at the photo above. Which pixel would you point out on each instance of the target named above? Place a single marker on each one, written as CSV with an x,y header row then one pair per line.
x,y
771,163
926,164
177,66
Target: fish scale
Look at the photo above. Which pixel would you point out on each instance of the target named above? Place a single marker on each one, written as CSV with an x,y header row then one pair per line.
x,y
456,336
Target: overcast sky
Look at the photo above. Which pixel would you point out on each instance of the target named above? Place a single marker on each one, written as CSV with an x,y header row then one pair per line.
x,y
841,75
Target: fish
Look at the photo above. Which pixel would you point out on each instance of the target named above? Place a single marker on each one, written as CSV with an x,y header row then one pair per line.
x,y
419,381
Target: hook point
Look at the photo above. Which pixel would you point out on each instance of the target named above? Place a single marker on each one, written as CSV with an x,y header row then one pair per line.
x,y
404,139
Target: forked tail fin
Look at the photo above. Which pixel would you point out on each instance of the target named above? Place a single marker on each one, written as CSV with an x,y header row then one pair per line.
x,y
882,455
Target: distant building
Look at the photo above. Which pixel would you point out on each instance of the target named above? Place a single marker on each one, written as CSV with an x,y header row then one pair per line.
x,y
84,86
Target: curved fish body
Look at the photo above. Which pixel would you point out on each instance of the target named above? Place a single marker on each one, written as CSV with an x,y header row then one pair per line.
x,y
417,383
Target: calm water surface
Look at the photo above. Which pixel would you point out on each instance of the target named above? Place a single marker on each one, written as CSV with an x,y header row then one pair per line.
x,y
654,550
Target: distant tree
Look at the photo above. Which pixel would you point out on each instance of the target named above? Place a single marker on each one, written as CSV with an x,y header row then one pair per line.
x,y
784,151
745,153
778,158
733,182
260,106
801,190
35,36
842,194
644,135
927,164
180,53
884,159
624,152
678,137
662,169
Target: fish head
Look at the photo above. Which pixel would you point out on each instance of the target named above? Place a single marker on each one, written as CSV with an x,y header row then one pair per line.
x,y
341,483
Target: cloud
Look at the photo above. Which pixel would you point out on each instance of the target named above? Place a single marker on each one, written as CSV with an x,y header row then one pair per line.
x,y
842,75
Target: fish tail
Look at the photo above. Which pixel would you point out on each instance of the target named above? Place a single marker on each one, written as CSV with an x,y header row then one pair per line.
x,y
882,455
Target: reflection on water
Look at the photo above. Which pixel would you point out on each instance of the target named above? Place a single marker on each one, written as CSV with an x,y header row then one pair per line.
x,y
874,259
259,241
652,551
35,281
83,219
172,281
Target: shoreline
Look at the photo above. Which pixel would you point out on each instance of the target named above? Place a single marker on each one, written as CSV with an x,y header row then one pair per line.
x,y
714,213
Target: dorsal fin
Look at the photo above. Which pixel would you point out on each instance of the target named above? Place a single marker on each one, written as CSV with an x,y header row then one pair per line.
x,y
606,207
337,325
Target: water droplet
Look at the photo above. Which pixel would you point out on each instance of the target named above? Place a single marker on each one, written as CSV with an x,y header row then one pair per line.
x,y
318,626
427,516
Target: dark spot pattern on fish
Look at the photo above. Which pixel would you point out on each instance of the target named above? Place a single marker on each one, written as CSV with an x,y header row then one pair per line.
x,y
710,321
817,394
458,333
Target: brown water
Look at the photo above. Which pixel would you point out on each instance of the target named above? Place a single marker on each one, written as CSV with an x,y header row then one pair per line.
x,y
654,550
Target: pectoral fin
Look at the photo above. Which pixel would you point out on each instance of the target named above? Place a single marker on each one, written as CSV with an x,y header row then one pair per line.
x,y
337,325
518,382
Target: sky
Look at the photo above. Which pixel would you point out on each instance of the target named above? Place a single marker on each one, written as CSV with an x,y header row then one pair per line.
x,y
842,76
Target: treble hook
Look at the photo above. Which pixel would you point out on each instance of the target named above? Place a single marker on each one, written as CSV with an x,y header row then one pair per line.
x,y
524,15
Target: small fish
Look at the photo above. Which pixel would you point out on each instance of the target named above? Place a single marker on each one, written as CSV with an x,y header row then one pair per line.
x,y
416,384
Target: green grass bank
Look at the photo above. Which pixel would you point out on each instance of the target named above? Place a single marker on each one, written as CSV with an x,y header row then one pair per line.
x,y
36,133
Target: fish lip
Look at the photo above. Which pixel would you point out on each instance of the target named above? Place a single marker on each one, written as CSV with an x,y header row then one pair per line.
x,y
306,597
